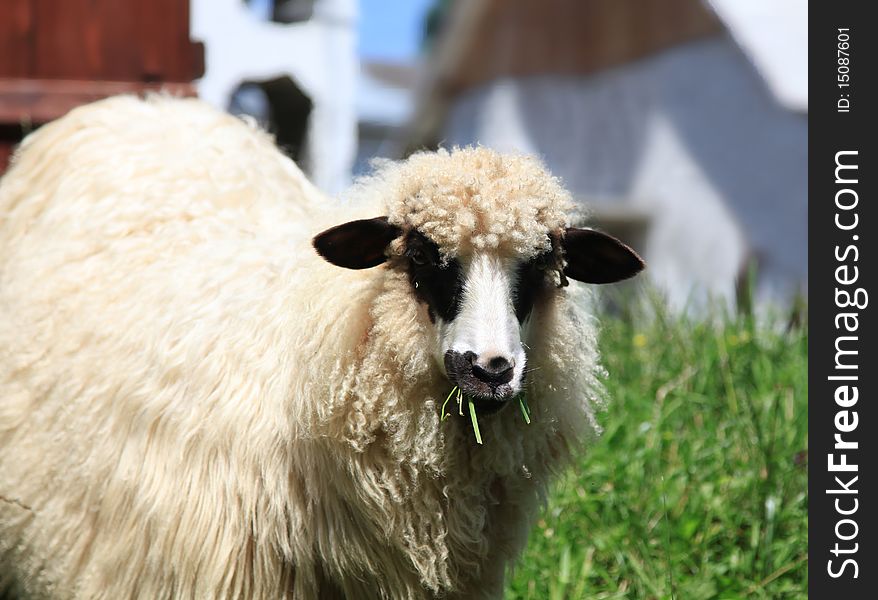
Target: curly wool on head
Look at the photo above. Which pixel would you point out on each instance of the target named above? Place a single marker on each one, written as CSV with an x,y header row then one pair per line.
x,y
473,198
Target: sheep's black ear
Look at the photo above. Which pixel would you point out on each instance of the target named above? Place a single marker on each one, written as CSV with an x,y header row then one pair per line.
x,y
595,257
357,244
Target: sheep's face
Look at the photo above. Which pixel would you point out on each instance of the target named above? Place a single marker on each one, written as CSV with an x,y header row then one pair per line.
x,y
480,301
475,304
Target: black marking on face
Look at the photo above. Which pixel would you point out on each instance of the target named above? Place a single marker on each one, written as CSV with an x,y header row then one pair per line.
x,y
436,283
531,282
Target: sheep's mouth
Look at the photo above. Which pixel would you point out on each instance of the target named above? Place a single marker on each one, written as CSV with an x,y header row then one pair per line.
x,y
488,405
488,398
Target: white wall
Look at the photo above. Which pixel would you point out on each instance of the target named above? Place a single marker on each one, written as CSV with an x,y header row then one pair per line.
x,y
692,136
320,55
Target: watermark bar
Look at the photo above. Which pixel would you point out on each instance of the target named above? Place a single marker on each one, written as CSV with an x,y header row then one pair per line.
x,y
843,424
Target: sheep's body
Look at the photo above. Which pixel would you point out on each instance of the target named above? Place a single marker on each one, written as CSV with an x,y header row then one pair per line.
x,y
193,404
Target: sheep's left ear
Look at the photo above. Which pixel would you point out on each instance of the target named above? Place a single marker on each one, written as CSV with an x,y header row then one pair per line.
x,y
356,244
595,257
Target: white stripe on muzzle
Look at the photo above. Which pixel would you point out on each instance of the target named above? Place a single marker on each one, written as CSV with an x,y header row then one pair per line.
x,y
486,324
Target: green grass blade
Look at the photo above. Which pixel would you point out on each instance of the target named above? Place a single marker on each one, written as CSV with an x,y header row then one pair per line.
x,y
443,415
525,409
472,414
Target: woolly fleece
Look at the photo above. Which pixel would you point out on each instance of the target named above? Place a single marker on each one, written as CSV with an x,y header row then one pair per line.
x,y
193,404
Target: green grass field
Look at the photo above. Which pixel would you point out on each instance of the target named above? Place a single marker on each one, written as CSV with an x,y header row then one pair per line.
x,y
698,486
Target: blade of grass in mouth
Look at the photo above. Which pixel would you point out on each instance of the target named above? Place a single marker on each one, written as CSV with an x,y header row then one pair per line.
x,y
522,402
443,415
475,419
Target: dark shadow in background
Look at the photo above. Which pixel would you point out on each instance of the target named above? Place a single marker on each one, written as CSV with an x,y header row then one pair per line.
x,y
281,107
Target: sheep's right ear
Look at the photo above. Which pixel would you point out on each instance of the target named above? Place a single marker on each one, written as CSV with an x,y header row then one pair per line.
x,y
595,257
357,244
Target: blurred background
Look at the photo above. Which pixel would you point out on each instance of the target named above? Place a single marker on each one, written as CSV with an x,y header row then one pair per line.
x,y
682,123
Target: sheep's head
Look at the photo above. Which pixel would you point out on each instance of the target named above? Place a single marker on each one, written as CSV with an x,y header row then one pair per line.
x,y
483,240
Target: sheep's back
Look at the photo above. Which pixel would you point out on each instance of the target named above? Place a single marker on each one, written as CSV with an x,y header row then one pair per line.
x,y
153,261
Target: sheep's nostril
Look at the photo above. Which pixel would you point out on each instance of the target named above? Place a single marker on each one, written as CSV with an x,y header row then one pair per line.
x,y
498,364
495,371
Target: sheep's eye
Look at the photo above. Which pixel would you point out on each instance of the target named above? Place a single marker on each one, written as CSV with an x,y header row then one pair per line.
x,y
418,256
543,261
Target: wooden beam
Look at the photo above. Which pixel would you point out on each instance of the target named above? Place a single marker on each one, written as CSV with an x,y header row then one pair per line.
x,y
39,101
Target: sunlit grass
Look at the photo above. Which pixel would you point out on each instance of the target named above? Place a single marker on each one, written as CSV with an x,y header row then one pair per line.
x,y
698,486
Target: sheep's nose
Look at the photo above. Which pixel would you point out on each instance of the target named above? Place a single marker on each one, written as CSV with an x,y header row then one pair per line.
x,y
494,370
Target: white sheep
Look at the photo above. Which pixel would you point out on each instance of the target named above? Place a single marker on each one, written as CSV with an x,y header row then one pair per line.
x,y
194,404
